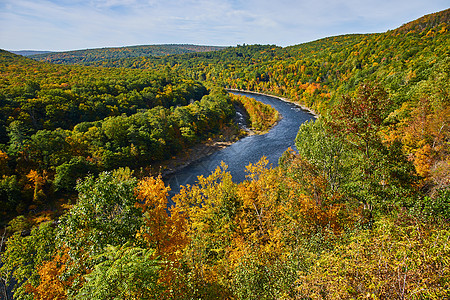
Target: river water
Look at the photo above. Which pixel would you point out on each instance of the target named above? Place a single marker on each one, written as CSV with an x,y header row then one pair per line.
x,y
249,149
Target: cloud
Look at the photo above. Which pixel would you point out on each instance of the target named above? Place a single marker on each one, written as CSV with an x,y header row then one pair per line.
x,y
77,24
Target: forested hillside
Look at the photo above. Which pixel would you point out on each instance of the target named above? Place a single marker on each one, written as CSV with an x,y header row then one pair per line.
x,y
360,210
29,52
59,123
91,56
320,72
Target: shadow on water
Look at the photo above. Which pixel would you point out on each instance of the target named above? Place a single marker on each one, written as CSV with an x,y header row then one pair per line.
x,y
249,149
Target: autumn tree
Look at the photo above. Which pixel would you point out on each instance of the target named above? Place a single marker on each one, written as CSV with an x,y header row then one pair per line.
x,y
359,118
124,272
50,284
163,230
394,260
24,255
105,214
377,168
210,208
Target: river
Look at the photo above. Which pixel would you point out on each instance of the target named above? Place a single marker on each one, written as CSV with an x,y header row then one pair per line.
x,y
250,149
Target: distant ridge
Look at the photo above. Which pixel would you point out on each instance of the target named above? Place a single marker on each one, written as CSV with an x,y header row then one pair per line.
x,y
29,52
91,56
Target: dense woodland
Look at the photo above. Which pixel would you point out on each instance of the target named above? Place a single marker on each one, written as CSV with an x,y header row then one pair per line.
x,y
360,210
91,56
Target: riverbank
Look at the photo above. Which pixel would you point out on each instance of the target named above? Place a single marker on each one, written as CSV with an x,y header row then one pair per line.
x,y
307,109
226,138
249,149
229,135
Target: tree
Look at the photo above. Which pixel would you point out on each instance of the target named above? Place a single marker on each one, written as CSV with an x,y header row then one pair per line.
x,y
51,286
210,208
105,214
325,151
10,194
359,118
18,137
22,257
48,149
124,272
68,173
163,231
393,260
377,168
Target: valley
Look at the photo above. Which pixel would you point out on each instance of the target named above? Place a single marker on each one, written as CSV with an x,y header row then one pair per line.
x,y
124,175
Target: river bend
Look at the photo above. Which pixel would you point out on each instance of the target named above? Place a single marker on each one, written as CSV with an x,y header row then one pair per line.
x,y
249,149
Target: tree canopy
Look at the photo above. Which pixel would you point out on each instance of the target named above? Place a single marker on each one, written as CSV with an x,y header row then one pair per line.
x,y
359,210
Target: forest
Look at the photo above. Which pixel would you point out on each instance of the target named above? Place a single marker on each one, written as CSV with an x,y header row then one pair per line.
x,y
91,56
360,210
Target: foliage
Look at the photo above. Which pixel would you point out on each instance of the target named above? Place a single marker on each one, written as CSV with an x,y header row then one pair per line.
x,y
90,56
404,261
105,214
10,194
382,172
24,255
325,151
163,230
261,116
319,73
60,123
125,273
361,211
50,285
68,173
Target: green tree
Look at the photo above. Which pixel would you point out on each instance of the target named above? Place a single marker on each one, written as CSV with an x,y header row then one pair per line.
x,y
124,272
49,149
22,257
68,173
10,194
325,151
105,214
18,137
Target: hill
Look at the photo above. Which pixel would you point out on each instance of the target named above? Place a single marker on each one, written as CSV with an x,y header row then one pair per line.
x,y
426,22
90,56
318,73
29,52
360,210
45,105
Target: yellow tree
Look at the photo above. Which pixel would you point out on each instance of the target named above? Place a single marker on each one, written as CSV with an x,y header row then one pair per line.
x,y
312,204
210,208
38,183
50,285
260,209
162,231
4,169
393,261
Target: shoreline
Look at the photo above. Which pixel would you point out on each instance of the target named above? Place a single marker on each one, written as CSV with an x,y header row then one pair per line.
x,y
307,109
209,147
191,156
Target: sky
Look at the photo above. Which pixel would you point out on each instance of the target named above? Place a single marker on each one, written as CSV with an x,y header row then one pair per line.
x,y
60,25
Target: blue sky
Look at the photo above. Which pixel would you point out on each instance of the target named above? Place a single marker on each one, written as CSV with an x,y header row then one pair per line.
x,y
79,24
